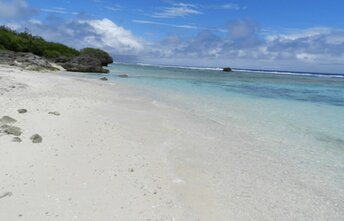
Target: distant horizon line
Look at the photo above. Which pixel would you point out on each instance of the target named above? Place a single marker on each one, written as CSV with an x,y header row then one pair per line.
x,y
219,68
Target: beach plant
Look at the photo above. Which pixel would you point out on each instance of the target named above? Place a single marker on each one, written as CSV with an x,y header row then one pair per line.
x,y
26,42
104,57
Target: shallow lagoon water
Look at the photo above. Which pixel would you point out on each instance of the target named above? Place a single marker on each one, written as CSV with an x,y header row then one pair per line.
x,y
293,121
295,107
305,102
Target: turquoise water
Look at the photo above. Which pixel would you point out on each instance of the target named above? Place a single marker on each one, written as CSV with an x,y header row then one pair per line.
x,y
322,89
290,126
308,104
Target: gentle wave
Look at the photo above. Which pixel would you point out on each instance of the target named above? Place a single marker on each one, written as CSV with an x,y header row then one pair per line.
x,y
293,73
181,67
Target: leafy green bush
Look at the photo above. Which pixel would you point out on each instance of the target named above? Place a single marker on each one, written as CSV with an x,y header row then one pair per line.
x,y
26,42
104,57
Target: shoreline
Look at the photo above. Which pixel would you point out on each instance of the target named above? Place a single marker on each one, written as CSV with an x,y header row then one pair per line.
x,y
88,166
114,153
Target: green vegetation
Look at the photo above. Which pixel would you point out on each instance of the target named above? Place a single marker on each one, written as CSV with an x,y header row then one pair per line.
x,y
104,57
26,42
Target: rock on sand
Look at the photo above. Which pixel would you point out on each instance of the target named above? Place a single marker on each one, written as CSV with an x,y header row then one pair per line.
x,y
7,120
36,138
22,111
11,130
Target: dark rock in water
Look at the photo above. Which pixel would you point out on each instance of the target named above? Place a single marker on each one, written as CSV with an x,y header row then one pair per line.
x,y
36,138
103,79
10,130
7,120
123,75
84,63
16,140
22,111
227,69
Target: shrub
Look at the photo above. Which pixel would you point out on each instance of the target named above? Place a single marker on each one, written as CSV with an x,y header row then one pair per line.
x,y
26,42
104,57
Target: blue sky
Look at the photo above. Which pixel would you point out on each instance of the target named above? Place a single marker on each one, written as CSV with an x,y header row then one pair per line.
x,y
301,35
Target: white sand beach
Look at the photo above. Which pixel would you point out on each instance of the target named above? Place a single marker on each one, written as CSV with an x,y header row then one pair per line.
x,y
112,153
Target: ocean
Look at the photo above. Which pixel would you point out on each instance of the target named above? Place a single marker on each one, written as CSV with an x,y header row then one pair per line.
x,y
310,105
283,129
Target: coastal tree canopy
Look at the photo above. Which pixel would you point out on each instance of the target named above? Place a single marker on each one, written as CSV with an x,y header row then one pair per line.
x,y
26,42
102,55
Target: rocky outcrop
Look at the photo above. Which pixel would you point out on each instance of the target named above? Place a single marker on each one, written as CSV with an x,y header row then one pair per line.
x,y
84,63
103,56
27,61
227,69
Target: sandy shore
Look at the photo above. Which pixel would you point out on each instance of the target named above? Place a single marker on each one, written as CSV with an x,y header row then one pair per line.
x,y
112,154
96,161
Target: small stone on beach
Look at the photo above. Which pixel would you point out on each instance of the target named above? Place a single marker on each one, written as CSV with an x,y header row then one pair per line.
x,y
36,138
7,120
16,140
22,111
55,113
103,79
11,130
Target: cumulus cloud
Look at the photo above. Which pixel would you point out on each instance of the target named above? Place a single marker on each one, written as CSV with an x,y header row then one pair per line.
x,y
316,45
110,35
13,9
242,46
322,48
80,33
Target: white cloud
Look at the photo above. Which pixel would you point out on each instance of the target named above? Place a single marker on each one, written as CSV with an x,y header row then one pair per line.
x,y
293,34
184,26
113,8
110,35
13,9
177,10
81,33
227,6
58,11
314,49
35,21
230,6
